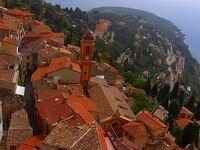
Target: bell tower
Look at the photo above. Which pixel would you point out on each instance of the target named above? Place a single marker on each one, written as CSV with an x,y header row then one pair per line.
x,y
87,45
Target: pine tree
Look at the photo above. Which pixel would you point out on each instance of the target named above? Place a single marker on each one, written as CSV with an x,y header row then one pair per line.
x,y
190,134
164,91
181,98
197,112
190,103
170,121
165,102
154,91
174,108
174,93
148,87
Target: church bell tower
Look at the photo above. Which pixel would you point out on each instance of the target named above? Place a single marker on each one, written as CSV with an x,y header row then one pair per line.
x,y
87,45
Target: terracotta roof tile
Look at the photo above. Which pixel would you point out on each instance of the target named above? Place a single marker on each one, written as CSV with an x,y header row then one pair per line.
x,y
150,121
161,113
5,26
82,137
8,73
11,18
84,114
133,90
54,110
20,12
19,129
129,144
135,129
109,100
31,143
183,122
56,64
85,102
10,41
186,111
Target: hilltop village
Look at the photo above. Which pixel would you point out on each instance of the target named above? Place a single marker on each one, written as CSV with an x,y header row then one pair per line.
x,y
56,97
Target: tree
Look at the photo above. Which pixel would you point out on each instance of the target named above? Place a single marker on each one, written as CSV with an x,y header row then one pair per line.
x,y
148,87
164,91
177,133
190,134
197,112
174,93
170,121
154,91
181,97
174,108
165,102
190,103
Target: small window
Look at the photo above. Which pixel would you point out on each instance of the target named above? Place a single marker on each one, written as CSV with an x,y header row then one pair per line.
x,y
87,51
27,57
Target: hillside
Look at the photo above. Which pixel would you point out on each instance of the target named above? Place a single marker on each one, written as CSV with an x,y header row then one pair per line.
x,y
149,37
140,40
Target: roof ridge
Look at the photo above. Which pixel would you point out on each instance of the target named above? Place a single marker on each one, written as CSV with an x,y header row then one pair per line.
x,y
80,138
154,119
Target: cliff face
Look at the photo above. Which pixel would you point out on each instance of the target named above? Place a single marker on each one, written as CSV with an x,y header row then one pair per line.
x,y
148,42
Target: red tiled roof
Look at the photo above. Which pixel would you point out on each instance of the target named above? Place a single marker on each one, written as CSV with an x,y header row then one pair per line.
x,y
133,90
183,122
33,22
129,143
20,12
74,120
186,111
38,73
53,35
150,121
8,17
135,129
56,64
85,102
101,137
10,41
5,26
43,94
8,75
71,89
54,110
32,34
31,143
78,108
179,148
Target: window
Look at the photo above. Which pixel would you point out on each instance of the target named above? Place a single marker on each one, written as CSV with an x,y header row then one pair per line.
x,y
27,57
87,51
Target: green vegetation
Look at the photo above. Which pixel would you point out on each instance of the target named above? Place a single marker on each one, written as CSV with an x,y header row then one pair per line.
x,y
142,102
22,75
134,80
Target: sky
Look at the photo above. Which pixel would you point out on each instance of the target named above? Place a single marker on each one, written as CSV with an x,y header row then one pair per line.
x,y
183,13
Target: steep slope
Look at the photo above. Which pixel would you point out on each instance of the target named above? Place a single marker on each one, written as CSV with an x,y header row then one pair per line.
x,y
154,38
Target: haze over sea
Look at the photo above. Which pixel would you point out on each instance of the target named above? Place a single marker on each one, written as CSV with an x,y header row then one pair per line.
x,y
185,14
